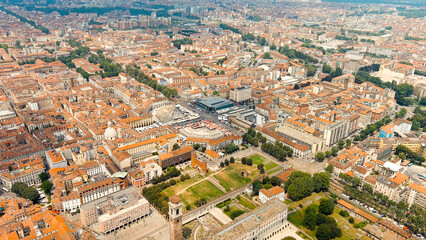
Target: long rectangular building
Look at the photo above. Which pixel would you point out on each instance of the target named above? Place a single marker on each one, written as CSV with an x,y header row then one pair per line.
x,y
261,223
175,157
99,189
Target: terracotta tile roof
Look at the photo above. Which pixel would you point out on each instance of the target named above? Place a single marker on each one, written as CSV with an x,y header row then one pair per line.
x,y
366,215
418,188
272,192
176,152
345,204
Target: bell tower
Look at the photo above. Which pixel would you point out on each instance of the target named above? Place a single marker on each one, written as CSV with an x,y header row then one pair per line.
x,y
175,218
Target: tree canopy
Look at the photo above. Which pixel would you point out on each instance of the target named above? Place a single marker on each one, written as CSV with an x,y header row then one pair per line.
x,y
300,185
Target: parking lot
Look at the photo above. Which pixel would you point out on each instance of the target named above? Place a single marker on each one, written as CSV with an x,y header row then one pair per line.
x,y
413,172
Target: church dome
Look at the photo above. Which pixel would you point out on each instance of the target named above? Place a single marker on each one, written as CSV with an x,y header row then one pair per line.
x,y
110,132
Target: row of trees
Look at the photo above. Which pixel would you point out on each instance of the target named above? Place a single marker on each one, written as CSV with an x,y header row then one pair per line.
x,y
261,168
250,37
247,161
145,79
294,54
309,45
320,156
227,162
157,198
277,150
371,128
401,114
413,217
253,138
227,27
170,173
301,184
22,19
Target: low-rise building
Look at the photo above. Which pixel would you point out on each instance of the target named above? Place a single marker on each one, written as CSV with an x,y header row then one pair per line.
x,y
267,194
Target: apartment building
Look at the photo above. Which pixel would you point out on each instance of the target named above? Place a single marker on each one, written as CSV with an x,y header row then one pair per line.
x,y
241,94
55,159
416,194
151,170
175,157
99,189
26,171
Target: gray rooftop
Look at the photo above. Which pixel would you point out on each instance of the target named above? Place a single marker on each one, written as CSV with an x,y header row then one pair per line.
x,y
214,102
120,198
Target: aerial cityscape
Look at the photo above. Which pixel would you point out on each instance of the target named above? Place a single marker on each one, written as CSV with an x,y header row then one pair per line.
x,y
213,119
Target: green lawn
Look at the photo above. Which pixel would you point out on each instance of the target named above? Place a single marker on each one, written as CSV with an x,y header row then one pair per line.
x,y
246,203
296,218
204,189
274,170
234,211
314,198
173,190
342,222
348,230
231,178
224,203
269,165
257,159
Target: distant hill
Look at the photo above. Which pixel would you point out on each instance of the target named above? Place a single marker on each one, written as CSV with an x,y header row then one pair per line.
x,y
418,3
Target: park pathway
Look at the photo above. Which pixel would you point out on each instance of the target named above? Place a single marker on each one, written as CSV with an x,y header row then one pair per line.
x,y
195,183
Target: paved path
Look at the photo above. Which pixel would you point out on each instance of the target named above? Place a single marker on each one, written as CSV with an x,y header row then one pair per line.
x,y
194,214
195,183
